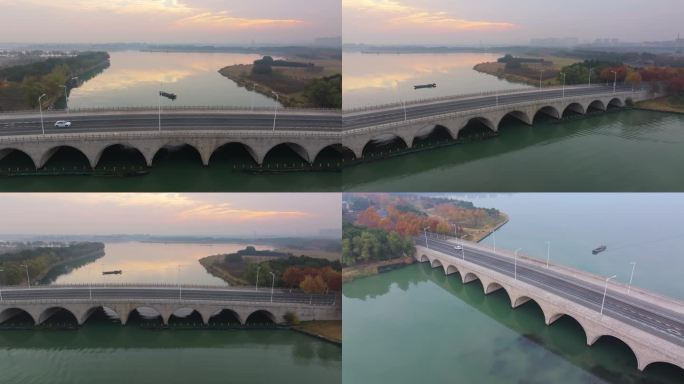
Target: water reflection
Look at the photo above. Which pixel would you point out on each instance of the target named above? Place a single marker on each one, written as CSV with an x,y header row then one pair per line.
x,y
134,79
372,79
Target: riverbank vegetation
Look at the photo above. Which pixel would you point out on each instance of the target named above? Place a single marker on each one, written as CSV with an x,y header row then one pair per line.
x,y
22,85
315,82
38,262
378,229
329,330
310,274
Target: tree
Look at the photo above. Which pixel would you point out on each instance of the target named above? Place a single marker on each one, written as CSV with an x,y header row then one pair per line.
x,y
312,284
291,318
293,276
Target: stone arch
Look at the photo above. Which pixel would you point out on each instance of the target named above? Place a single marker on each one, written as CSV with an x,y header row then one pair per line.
x,y
232,312
164,315
9,313
192,311
552,318
295,147
89,312
4,152
596,104
428,130
615,102
481,119
436,263
261,312
95,160
517,301
245,146
385,137
594,338
574,107
646,365
47,155
336,146
493,287
469,277
548,110
451,269
518,115
157,151
424,259
50,311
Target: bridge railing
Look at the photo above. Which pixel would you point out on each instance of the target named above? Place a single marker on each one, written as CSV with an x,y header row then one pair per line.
x,y
476,111
315,302
241,134
155,109
158,285
400,104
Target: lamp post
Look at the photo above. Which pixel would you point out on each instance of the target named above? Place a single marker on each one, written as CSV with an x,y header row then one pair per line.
x,y
272,284
515,264
251,108
614,80
40,106
28,279
548,253
563,74
590,76
275,113
605,290
629,287
1,270
180,287
426,242
540,78
256,286
160,96
494,238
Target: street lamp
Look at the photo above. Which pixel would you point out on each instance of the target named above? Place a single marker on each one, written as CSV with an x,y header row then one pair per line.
x,y
275,114
401,99
605,290
1,270
256,287
590,76
180,287
548,253
426,242
251,108
42,126
563,74
272,284
629,287
614,80
515,264
28,279
494,238
540,78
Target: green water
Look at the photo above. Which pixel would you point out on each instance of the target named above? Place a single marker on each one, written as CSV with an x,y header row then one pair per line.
x,y
415,325
109,353
623,151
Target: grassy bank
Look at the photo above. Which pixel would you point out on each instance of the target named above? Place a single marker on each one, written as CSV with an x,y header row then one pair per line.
x,y
529,73
211,264
374,268
328,330
671,104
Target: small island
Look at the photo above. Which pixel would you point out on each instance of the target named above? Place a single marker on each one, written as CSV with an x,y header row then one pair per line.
x,y
378,229
306,273
313,83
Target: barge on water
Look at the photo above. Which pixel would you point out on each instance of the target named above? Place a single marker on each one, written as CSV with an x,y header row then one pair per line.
x,y
117,272
423,86
599,250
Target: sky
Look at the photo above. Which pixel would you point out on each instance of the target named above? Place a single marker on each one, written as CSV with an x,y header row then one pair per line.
x,y
169,21
454,22
234,214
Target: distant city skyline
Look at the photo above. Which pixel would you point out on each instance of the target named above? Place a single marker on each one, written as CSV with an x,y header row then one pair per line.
x,y
461,22
169,21
170,214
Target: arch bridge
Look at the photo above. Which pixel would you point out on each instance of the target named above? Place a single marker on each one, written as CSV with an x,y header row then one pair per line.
x,y
652,326
409,121
43,302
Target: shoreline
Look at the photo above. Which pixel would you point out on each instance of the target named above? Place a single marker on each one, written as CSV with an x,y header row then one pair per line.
x,y
323,336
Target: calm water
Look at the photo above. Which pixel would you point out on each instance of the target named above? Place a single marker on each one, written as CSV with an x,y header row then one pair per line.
x,y
618,151
371,79
133,80
451,331
108,353
151,263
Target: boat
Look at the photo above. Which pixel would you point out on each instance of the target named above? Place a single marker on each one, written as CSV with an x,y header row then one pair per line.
x,y
117,272
599,250
171,96
422,86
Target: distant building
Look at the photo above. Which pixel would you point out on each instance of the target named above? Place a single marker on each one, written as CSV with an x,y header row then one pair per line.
x,y
555,42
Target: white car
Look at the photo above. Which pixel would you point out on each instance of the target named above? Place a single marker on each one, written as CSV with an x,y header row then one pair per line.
x,y
458,248
63,124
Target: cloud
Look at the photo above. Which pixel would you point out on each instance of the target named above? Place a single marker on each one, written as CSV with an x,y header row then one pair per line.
x,y
396,14
226,211
224,20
